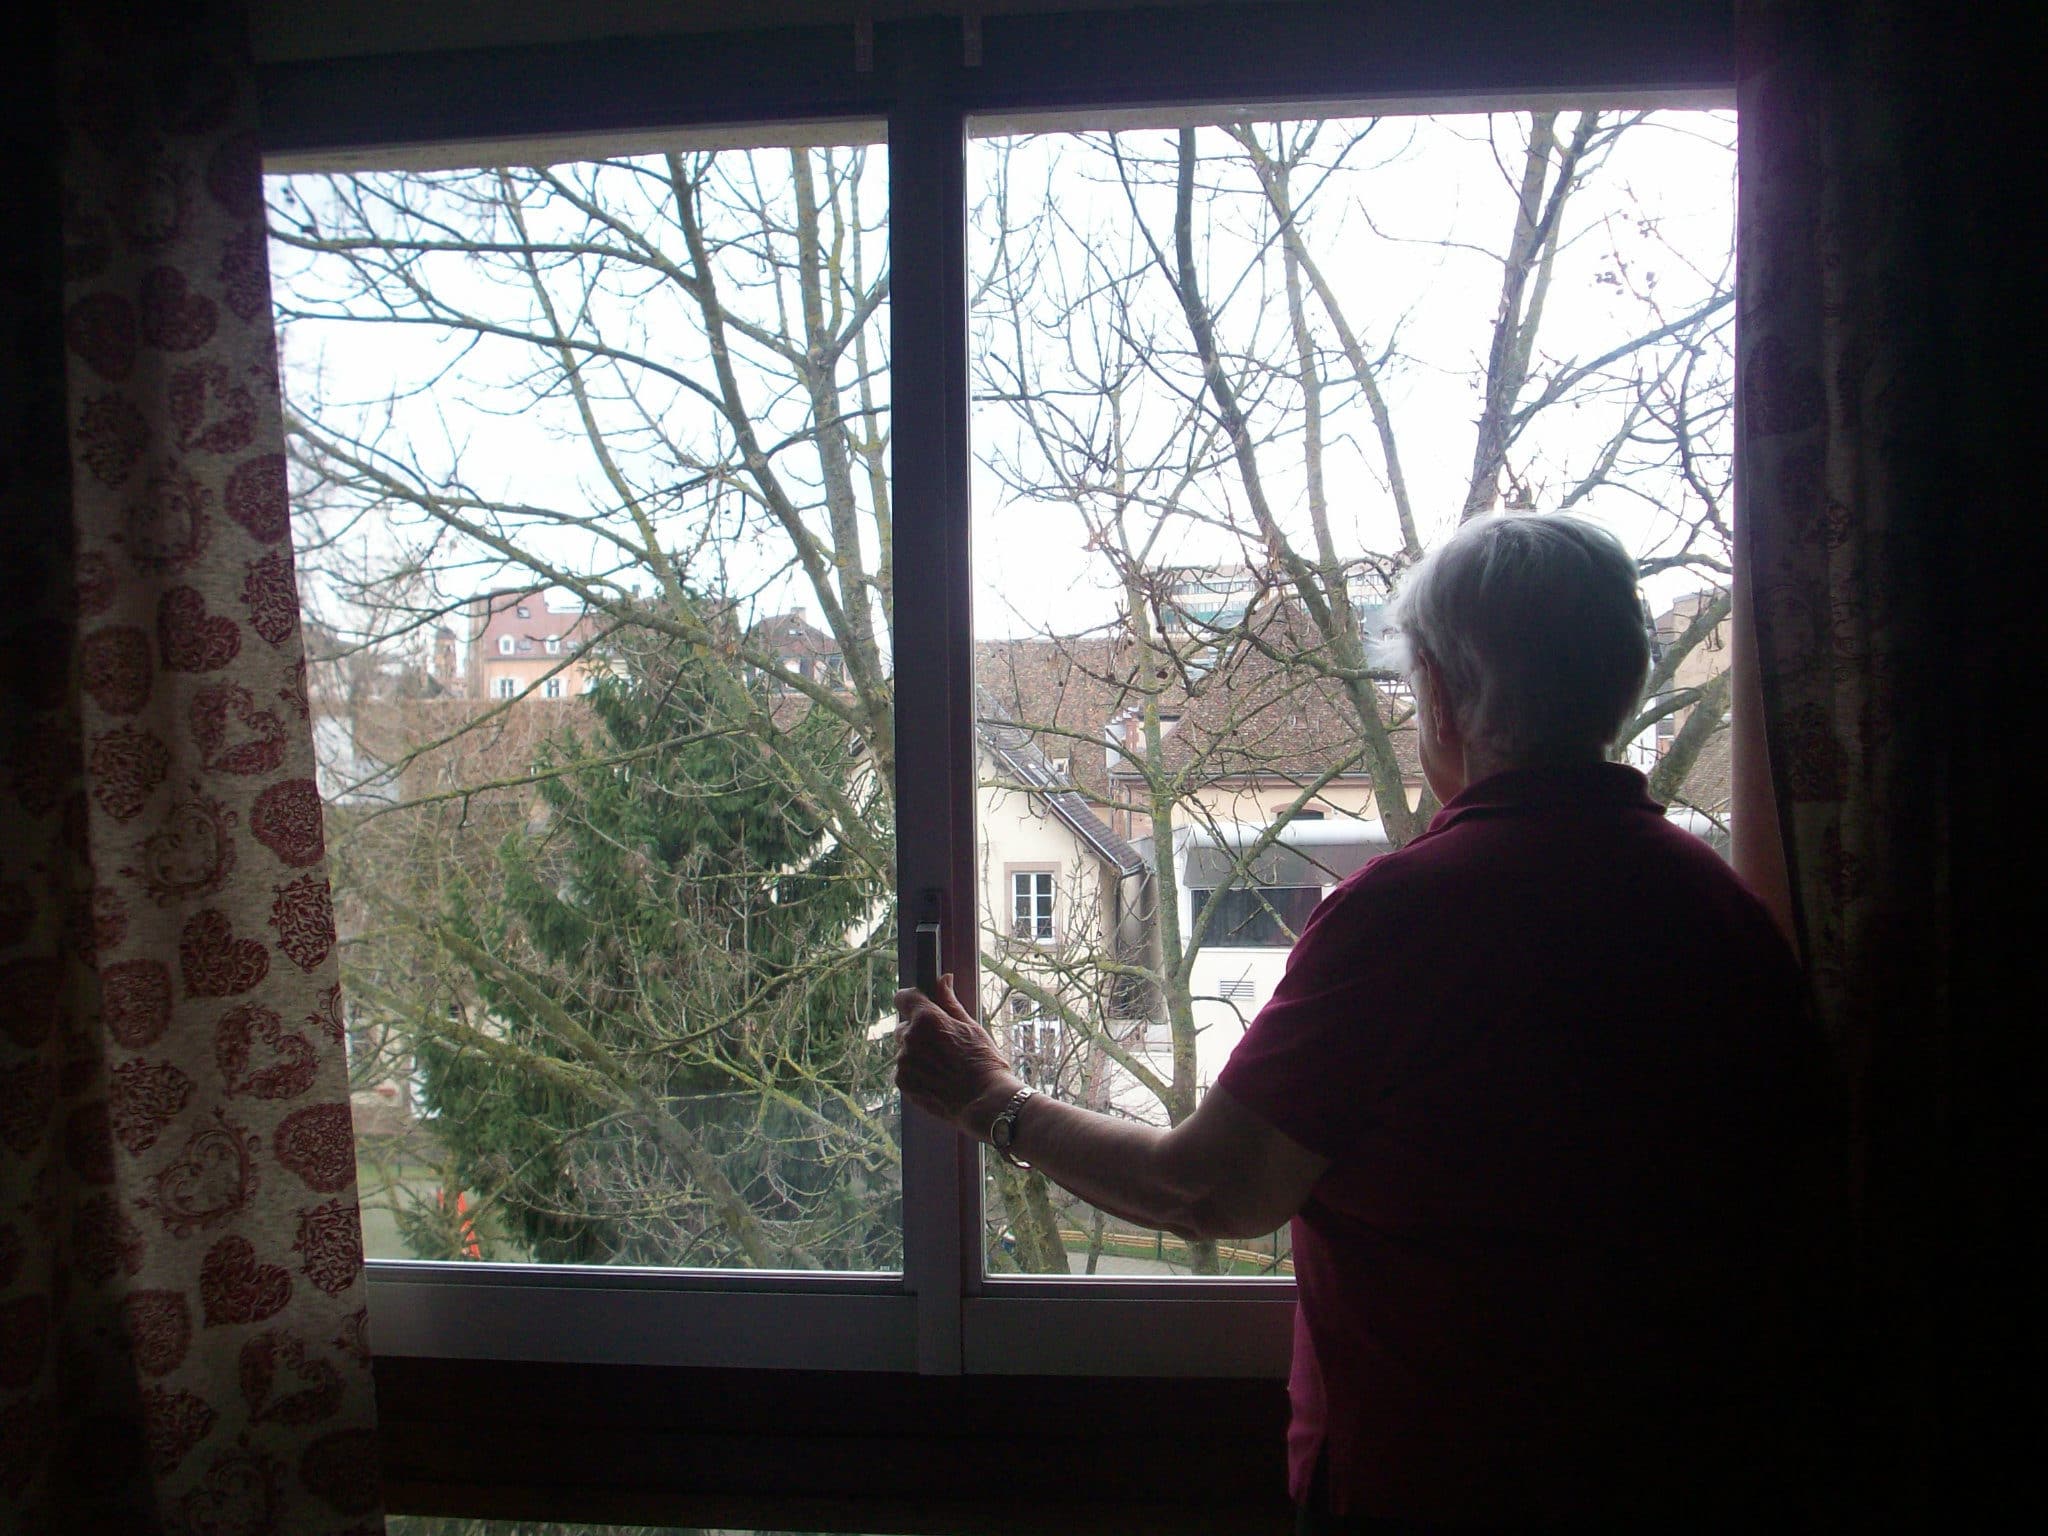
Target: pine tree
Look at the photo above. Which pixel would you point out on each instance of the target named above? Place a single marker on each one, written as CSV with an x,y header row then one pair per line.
x,y
677,971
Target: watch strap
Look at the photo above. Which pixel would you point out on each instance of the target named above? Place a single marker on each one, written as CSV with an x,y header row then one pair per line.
x,y
1003,1130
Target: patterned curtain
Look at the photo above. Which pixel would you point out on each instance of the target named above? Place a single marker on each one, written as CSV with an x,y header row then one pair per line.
x,y
183,1341
1841,460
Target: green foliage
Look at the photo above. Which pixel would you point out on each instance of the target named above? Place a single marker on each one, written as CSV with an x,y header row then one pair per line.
x,y
676,968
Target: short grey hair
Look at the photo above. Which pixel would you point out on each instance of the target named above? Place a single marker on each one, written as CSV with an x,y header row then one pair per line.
x,y
1534,625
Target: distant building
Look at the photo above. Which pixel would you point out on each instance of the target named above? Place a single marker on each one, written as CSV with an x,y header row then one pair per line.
x,y
529,643
801,647
1700,666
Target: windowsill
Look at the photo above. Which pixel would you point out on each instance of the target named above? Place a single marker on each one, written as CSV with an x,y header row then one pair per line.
x,y
822,1451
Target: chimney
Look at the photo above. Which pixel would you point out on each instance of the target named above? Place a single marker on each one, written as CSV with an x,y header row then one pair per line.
x,y
444,658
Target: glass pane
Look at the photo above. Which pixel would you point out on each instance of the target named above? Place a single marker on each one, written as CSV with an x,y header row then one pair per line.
x,y
591,483
1229,382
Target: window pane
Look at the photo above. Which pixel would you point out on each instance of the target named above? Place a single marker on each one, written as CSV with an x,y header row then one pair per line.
x,y
1229,383
590,464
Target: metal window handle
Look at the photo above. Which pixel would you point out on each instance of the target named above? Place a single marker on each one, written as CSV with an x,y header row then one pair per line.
x,y
925,970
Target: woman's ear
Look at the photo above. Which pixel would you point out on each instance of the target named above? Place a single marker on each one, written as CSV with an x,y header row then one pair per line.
x,y
1429,697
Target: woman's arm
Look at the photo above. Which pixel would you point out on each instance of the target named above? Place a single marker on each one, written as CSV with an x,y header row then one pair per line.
x,y
1222,1172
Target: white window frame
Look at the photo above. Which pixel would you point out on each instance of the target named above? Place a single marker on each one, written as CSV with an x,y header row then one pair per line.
x,y
508,688
504,645
1034,913
553,645
552,688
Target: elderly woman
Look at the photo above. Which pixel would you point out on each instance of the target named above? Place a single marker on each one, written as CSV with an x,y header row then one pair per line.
x,y
1534,1092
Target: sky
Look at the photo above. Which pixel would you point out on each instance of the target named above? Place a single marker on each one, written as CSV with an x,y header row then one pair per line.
x,y
1402,232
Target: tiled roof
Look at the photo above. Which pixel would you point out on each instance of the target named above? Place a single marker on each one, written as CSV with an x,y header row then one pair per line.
x,y
1018,756
1264,710
1706,787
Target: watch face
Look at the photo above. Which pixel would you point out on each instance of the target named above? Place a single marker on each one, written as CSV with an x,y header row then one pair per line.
x,y
999,1133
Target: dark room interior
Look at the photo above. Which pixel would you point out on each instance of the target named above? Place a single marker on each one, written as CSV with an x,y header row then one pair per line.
x,y
1887,299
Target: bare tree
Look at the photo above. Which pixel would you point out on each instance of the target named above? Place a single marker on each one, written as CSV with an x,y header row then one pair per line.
x,y
1185,354
1176,360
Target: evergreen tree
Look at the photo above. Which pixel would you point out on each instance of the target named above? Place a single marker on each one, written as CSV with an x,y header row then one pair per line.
x,y
677,969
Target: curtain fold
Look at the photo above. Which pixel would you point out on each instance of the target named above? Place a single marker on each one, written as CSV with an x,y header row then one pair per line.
x,y
1843,515
183,1333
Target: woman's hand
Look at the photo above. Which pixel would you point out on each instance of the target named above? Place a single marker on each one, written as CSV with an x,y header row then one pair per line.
x,y
946,1063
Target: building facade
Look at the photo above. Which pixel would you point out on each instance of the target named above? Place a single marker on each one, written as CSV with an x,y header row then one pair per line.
x,y
529,643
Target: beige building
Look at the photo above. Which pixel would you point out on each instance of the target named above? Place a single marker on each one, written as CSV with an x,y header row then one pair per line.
x,y
528,644
1700,666
1249,741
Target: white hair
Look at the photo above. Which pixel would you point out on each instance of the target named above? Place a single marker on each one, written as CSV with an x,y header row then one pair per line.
x,y
1535,628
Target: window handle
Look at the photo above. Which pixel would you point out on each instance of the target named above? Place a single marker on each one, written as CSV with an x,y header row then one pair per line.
x,y
925,968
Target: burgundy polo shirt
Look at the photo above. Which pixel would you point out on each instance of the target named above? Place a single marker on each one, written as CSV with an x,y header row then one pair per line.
x,y
1557,1055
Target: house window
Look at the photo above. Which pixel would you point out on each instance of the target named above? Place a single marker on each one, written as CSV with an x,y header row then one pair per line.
x,y
1263,917
525,642
1031,904
508,688
523,611
553,645
1037,1043
552,688
504,645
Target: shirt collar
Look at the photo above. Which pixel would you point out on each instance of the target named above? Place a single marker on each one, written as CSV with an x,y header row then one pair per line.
x,y
1577,786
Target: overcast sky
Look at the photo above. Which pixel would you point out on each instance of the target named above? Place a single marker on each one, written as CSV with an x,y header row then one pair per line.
x,y
1402,233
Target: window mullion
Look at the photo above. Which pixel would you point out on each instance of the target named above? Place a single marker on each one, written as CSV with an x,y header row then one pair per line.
x,y
934,657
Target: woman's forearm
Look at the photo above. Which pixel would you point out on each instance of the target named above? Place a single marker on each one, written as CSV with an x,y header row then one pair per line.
x,y
1222,1172
1115,1165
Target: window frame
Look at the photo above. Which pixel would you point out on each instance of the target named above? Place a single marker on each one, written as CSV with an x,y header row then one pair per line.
x,y
1042,932
941,1316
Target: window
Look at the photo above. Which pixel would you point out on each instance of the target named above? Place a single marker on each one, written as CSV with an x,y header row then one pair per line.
x,y
1264,917
1034,583
694,884
1031,904
1036,1052
1184,568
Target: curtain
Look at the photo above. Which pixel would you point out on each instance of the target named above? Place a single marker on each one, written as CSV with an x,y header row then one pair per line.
x,y
1859,386
183,1334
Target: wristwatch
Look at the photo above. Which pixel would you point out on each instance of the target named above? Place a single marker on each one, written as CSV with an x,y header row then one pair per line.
x,y
1003,1132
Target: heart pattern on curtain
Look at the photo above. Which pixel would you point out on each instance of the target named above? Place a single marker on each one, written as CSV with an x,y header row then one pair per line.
x,y
183,1330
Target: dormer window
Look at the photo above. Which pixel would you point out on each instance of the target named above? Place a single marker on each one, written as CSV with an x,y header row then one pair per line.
x,y
504,645
523,611
553,645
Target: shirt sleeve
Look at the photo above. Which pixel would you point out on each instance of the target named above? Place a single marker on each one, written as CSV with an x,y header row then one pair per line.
x,y
1310,1064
